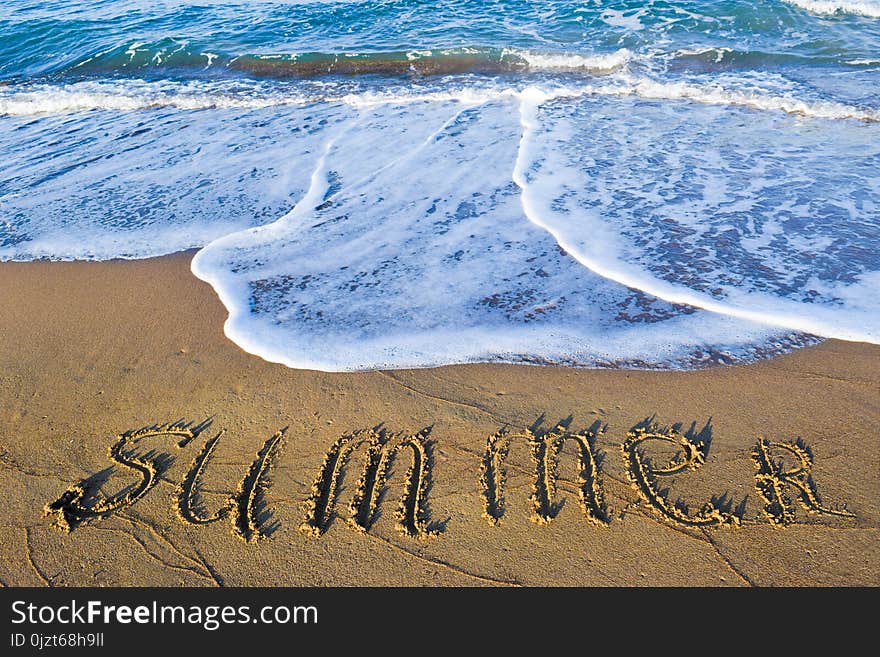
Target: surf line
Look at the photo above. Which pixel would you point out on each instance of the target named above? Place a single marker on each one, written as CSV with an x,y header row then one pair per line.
x,y
531,99
783,477
225,284
231,290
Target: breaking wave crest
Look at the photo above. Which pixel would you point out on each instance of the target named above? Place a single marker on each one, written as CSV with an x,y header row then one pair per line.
x,y
869,8
131,95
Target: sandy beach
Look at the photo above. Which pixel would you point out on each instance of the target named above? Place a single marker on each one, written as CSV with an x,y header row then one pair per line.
x,y
92,350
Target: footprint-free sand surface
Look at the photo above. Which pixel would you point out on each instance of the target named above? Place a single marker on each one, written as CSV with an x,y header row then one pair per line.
x,y
250,473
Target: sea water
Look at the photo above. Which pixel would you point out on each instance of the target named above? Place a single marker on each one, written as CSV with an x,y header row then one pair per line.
x,y
384,184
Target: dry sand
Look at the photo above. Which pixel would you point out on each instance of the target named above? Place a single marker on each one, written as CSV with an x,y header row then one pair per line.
x,y
91,350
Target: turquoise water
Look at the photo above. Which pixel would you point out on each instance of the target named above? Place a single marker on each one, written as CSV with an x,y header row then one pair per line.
x,y
157,39
396,184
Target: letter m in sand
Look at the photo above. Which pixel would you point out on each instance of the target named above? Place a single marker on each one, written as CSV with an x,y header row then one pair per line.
x,y
378,450
545,448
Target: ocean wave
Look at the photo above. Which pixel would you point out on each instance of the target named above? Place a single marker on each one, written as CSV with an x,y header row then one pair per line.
x,y
179,60
662,185
869,8
536,224
290,40
124,97
691,248
128,96
171,54
379,266
712,94
722,58
573,62
712,54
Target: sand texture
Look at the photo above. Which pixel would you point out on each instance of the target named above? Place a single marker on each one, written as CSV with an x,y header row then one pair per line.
x,y
139,446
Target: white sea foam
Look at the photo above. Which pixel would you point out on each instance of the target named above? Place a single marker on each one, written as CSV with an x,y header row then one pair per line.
x,y
136,185
685,255
125,97
717,95
713,94
381,266
627,20
870,8
464,95
131,95
574,62
718,53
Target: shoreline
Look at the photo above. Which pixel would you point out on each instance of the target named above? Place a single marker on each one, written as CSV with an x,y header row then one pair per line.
x,y
94,349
